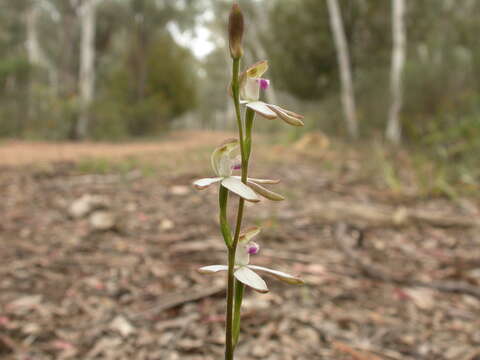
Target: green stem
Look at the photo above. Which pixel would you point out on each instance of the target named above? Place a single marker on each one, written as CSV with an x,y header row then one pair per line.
x,y
239,290
225,228
229,325
232,248
239,287
233,320
236,101
249,116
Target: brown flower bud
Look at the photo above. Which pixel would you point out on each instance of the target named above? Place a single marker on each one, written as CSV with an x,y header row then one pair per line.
x,y
235,31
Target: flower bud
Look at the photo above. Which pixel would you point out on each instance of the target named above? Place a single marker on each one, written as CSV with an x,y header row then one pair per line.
x,y
235,31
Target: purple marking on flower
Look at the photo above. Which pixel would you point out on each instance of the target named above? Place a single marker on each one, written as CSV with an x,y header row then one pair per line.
x,y
237,163
253,248
264,83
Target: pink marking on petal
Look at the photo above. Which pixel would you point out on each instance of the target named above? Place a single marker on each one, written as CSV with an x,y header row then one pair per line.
x,y
237,163
253,248
264,83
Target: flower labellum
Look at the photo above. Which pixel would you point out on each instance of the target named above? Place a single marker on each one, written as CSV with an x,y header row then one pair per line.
x,y
244,271
237,163
251,83
223,165
253,248
235,32
264,83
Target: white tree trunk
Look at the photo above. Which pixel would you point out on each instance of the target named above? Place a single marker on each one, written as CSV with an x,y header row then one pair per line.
x,y
343,57
34,50
86,84
394,130
34,53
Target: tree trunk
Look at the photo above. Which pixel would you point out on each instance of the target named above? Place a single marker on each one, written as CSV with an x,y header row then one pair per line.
x,y
87,65
394,130
142,69
34,53
343,57
36,56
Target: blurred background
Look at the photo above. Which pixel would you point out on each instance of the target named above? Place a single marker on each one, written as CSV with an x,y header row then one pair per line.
x,y
145,66
130,69
109,109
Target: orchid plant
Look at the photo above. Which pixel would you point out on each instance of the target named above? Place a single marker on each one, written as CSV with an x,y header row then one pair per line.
x,y
245,90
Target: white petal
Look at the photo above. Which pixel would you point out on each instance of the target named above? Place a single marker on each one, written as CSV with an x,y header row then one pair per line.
x,y
221,152
261,181
279,275
250,90
205,183
242,257
212,269
264,181
262,109
225,165
250,278
239,188
288,116
270,195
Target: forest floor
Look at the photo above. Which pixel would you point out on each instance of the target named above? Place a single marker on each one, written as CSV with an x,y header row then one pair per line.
x,y
100,245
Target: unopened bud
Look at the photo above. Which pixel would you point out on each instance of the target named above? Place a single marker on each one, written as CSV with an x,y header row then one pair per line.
x,y
235,31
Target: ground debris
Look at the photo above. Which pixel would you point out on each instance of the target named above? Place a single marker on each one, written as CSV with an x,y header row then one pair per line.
x,y
102,221
400,285
84,205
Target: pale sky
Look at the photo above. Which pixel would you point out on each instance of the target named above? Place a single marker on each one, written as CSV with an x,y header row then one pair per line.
x,y
199,41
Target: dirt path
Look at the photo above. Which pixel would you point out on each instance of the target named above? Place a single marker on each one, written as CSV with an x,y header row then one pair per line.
x,y
23,153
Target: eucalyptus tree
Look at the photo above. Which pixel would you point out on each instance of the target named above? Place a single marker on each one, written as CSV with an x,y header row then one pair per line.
x,y
86,79
14,68
145,78
343,56
394,130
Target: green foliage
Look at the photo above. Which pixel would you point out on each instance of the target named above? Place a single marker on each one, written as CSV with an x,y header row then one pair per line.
x,y
143,78
105,166
14,75
300,48
53,117
168,92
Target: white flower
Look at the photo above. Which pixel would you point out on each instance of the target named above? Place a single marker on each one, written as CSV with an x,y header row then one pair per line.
x,y
223,164
250,84
244,272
